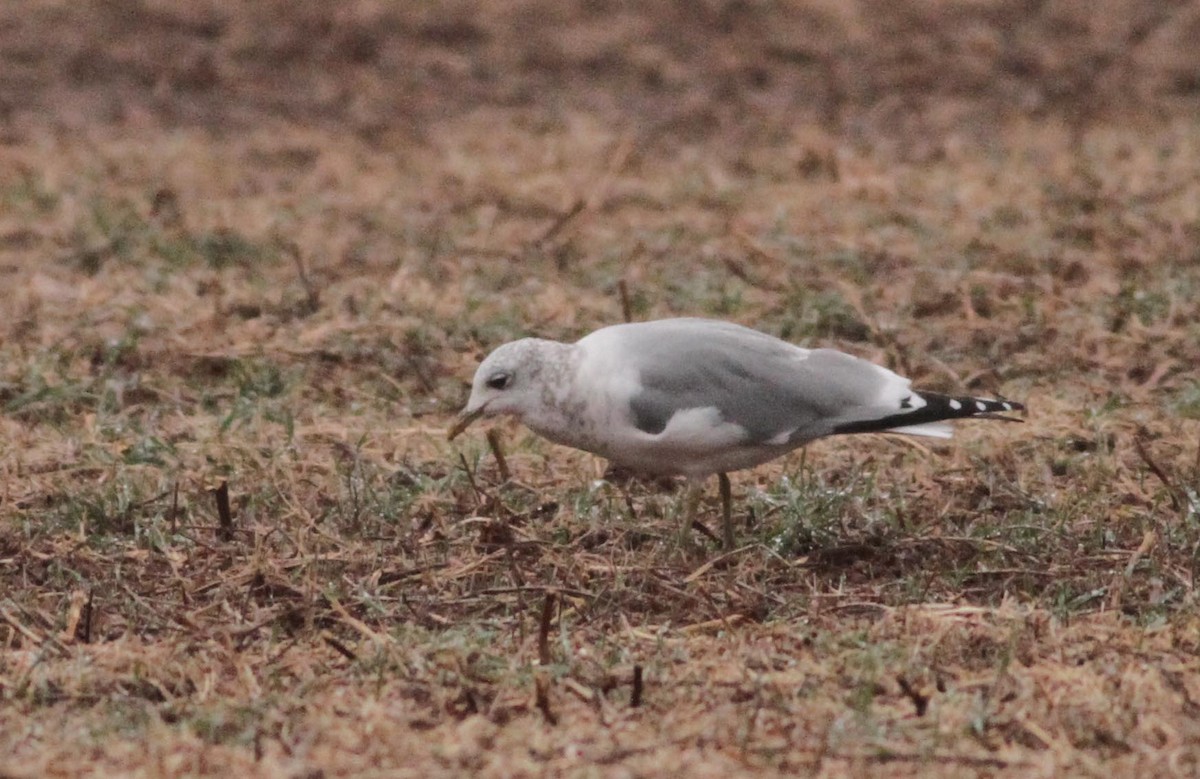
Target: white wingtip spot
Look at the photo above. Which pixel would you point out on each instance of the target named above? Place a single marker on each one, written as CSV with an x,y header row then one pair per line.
x,y
954,404
1008,407
980,405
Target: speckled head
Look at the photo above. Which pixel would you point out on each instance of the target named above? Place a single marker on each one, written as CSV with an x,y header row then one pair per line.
x,y
509,381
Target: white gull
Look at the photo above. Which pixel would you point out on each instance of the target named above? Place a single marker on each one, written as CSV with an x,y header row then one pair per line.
x,y
697,397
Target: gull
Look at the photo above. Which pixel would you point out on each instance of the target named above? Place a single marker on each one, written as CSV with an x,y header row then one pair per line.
x,y
696,397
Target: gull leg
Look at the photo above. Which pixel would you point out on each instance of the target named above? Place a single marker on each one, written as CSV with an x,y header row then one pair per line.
x,y
726,509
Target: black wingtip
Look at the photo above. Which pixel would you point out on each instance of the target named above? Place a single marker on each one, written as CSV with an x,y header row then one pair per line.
x,y
940,406
937,408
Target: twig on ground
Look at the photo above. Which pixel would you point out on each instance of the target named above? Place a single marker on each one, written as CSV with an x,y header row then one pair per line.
x,y
224,514
88,611
31,634
1196,465
1172,489
479,496
711,536
739,271
626,306
312,299
355,623
1149,541
719,560
542,698
919,699
558,224
69,633
718,623
544,657
338,646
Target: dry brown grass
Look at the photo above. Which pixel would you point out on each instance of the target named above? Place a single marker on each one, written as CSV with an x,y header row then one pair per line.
x,y
266,247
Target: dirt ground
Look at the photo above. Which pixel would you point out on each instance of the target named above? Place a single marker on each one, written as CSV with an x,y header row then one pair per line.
x,y
251,253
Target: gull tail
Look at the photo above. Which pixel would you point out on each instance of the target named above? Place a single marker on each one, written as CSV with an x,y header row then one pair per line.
x,y
929,413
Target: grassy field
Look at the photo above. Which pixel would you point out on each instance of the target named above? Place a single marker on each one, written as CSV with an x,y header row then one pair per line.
x,y
250,259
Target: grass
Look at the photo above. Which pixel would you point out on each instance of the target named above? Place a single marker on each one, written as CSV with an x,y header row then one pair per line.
x,y
286,291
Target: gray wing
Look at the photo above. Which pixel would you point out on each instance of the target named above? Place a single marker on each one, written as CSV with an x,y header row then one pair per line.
x,y
768,387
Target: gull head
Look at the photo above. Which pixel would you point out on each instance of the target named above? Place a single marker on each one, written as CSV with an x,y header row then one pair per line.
x,y
507,382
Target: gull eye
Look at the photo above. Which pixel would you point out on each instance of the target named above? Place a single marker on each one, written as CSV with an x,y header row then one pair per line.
x,y
499,381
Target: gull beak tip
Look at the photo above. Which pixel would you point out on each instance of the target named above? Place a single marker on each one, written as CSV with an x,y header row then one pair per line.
x,y
463,421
